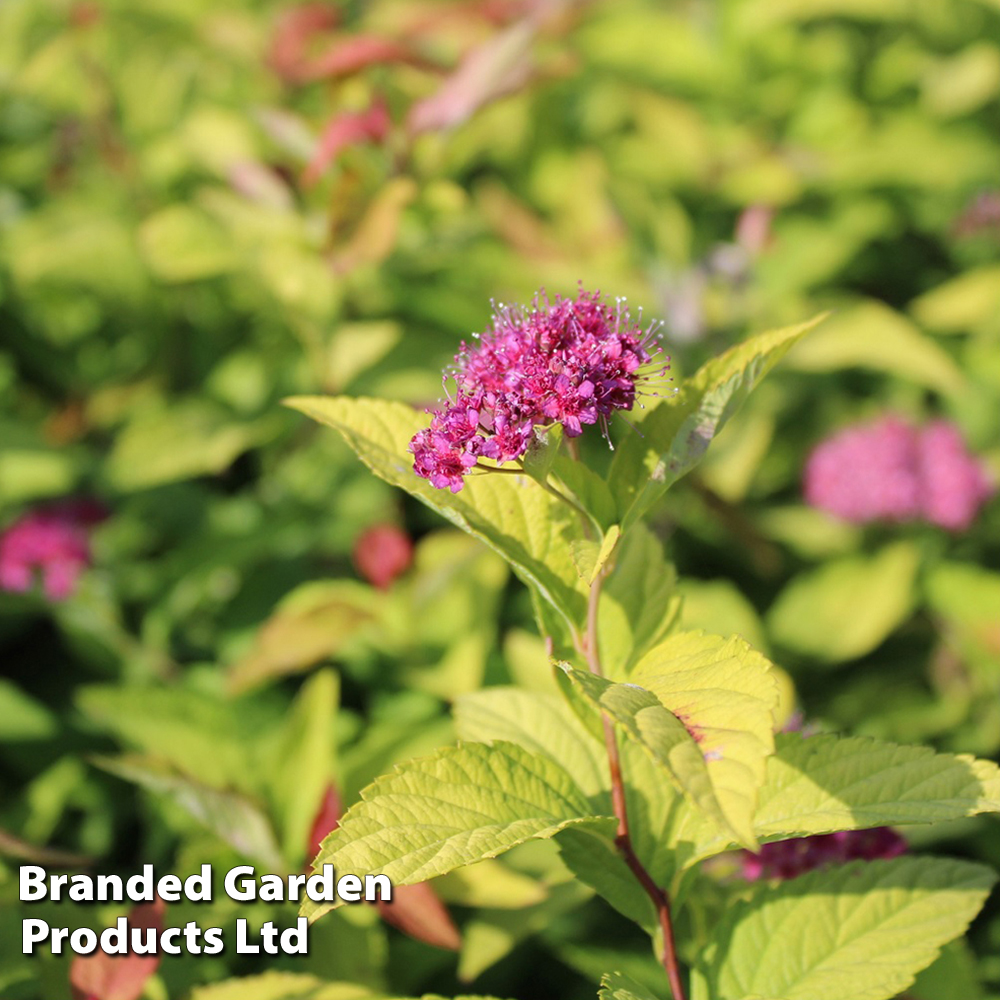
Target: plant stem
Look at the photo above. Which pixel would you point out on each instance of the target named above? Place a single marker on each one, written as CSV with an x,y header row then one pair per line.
x,y
623,840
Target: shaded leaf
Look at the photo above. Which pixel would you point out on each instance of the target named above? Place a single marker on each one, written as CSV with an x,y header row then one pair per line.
x,y
847,607
232,817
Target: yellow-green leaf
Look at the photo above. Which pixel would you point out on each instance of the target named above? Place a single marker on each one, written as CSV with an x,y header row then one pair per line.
x,y
676,433
858,932
529,527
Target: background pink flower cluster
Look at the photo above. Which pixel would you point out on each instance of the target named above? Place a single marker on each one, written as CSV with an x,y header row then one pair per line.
x,y
573,362
51,542
791,858
891,470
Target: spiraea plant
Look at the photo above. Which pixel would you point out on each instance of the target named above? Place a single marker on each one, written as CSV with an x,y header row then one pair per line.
x,y
661,752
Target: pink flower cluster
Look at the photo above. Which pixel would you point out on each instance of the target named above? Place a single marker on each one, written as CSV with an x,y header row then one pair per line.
x,y
572,362
52,541
890,470
790,858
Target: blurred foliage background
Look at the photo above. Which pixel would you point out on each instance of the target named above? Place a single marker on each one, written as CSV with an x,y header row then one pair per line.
x,y
208,205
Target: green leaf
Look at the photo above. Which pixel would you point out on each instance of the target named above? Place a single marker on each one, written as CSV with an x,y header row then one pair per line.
x,y
193,437
961,304
640,713
618,986
492,935
232,817
826,783
281,986
859,932
529,527
456,807
541,723
589,489
594,859
721,608
724,692
705,714
967,596
639,603
22,717
306,760
677,432
953,976
208,740
489,885
311,623
871,335
542,452
591,557
30,473
847,607
182,243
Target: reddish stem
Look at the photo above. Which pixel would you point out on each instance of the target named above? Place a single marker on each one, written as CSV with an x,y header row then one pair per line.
x,y
623,840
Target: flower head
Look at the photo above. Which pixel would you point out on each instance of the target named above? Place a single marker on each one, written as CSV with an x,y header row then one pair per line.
x,y
571,362
790,858
53,542
891,470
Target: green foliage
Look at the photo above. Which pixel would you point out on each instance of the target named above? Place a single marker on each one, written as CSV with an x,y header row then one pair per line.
x,y
860,933
826,783
527,526
703,709
180,250
848,607
460,806
677,432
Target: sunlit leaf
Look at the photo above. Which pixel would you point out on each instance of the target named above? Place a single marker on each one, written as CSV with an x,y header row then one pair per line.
x,y
456,807
871,335
516,517
859,932
677,432
702,706
826,783
312,623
